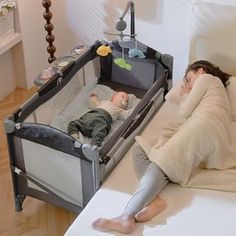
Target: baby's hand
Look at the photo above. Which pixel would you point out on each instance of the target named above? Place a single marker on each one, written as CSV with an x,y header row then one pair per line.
x,y
94,101
93,95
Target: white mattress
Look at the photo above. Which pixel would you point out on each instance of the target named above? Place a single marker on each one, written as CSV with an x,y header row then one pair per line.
x,y
190,212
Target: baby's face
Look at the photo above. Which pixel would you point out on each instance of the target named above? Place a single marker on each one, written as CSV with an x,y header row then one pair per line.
x,y
121,99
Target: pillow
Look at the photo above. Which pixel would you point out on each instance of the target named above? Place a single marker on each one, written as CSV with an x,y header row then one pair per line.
x,y
231,88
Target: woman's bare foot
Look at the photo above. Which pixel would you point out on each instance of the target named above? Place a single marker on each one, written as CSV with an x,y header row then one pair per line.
x,y
123,224
151,210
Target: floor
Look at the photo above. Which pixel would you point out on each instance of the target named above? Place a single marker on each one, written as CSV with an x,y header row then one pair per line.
x,y
37,218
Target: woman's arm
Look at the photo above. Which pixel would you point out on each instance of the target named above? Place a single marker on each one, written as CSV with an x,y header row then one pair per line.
x,y
194,97
124,114
175,95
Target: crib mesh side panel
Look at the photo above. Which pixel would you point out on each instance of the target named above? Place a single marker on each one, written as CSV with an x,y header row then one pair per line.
x,y
141,75
60,172
49,110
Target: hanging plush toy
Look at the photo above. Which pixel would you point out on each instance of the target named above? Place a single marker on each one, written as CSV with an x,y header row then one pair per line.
x,y
135,52
104,50
122,63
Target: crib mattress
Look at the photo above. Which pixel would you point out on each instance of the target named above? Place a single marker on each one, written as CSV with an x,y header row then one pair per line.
x,y
190,212
80,105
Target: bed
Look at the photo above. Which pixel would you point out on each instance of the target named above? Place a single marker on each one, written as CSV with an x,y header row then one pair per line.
x,y
190,211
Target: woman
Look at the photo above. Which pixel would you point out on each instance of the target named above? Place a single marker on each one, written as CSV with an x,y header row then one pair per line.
x,y
197,143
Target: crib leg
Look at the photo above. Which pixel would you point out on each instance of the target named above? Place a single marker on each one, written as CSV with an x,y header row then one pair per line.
x,y
18,202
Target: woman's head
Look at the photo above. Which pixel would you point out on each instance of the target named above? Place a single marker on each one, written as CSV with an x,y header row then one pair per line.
x,y
203,66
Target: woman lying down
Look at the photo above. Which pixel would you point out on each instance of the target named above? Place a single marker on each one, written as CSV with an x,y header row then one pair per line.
x,y
202,148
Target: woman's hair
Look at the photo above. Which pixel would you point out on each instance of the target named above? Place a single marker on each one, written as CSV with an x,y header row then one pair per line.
x,y
209,68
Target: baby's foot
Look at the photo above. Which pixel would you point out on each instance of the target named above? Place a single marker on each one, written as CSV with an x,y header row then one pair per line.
x,y
75,136
151,210
123,224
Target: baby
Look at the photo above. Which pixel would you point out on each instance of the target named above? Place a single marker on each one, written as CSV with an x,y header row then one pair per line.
x,y
96,124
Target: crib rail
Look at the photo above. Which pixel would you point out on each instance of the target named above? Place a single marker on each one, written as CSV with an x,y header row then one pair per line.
x,y
54,85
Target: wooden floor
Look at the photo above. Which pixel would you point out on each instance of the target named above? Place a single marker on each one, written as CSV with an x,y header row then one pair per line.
x,y
37,217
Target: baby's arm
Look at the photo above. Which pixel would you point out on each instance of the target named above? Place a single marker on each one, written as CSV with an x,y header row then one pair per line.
x,y
124,114
94,100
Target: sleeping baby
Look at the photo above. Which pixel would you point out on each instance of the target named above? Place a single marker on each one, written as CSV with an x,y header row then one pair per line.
x,y
96,124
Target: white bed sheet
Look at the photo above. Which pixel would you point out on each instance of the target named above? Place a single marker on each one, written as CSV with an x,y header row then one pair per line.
x,y
190,212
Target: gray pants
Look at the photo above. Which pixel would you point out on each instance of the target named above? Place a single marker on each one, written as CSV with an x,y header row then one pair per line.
x,y
151,181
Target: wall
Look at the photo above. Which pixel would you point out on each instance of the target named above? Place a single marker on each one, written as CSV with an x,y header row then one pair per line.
x,y
34,45
6,72
169,32
23,62
162,24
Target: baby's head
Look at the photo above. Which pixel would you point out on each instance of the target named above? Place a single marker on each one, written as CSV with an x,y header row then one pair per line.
x,y
121,99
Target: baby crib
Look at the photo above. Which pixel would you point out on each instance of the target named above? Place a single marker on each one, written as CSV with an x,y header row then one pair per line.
x,y
46,163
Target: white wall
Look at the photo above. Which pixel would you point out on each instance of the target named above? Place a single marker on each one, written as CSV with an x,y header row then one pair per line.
x,y
7,75
33,38
162,24
35,55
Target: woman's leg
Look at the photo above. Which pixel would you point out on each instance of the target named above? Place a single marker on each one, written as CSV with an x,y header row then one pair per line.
x,y
141,162
150,185
152,180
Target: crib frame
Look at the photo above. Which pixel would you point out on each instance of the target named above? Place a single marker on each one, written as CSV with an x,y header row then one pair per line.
x,y
34,140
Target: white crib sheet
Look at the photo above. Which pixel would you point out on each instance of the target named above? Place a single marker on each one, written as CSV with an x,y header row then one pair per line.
x,y
80,106
190,212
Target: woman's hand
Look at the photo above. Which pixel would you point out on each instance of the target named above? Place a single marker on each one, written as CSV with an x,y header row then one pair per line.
x,y
185,88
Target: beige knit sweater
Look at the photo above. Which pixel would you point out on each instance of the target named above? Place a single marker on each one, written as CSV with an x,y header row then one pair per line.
x,y
199,148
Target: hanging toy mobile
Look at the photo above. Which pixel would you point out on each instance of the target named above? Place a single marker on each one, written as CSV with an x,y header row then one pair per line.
x,y
133,50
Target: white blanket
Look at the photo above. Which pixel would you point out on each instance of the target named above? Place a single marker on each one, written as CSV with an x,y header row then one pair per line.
x,y
198,149
185,206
